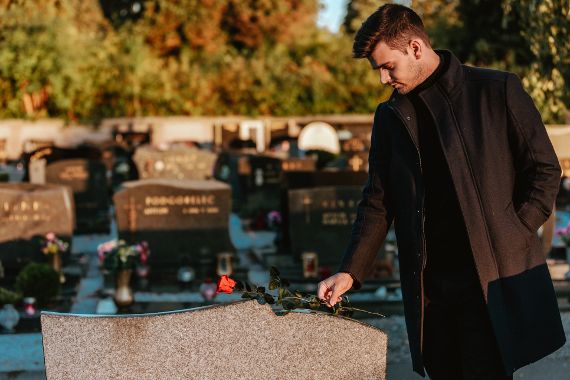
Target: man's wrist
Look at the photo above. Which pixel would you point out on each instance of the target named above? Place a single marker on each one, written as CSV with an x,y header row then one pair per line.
x,y
354,281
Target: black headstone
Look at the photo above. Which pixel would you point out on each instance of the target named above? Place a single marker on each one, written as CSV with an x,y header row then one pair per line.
x,y
184,221
320,220
88,181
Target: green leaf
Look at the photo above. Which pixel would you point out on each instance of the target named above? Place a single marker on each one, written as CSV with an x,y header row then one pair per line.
x,y
345,312
274,284
273,272
269,298
314,305
248,295
289,303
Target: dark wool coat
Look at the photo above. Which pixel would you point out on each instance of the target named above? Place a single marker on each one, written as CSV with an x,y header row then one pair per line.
x,y
506,176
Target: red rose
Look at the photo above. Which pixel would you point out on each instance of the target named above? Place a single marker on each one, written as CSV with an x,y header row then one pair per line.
x,y
225,285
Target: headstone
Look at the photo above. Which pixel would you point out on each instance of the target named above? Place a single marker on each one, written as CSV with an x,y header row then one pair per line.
x,y
320,220
182,220
265,172
88,181
299,165
28,212
310,179
356,152
319,136
241,340
48,155
255,179
177,162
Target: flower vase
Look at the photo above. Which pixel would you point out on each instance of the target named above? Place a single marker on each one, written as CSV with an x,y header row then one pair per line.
x,y
55,261
123,292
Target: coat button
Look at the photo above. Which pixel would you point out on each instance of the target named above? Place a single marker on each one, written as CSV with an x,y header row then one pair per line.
x,y
408,118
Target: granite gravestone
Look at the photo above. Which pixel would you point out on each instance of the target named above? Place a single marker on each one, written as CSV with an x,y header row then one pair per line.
x,y
88,181
28,212
242,340
177,162
255,179
320,220
183,221
299,165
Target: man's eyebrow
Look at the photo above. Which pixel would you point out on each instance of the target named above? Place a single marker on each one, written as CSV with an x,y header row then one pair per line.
x,y
376,66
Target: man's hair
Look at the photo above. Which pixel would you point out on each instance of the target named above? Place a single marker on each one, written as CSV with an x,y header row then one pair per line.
x,y
393,24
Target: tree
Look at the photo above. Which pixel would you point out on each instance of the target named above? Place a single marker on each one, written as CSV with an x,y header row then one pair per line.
x,y
51,61
546,28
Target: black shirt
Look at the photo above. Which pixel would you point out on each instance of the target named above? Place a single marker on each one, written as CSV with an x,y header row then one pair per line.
x,y
447,243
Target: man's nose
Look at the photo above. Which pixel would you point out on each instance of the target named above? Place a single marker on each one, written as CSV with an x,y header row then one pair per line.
x,y
384,77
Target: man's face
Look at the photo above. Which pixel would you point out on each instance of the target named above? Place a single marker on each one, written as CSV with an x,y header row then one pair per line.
x,y
399,70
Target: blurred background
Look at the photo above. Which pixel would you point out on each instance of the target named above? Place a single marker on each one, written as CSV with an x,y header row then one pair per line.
x,y
149,147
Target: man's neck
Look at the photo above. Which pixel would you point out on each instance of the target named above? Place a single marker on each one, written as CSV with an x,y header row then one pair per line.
x,y
432,62
431,72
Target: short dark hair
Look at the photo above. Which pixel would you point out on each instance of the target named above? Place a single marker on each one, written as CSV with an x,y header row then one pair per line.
x,y
393,24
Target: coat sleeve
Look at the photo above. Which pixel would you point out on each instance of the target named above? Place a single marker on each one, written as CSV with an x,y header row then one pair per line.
x,y
537,168
374,214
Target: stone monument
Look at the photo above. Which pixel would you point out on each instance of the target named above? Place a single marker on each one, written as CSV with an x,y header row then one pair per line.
x,y
239,340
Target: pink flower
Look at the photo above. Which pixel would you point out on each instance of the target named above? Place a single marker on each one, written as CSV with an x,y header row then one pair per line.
x,y
50,236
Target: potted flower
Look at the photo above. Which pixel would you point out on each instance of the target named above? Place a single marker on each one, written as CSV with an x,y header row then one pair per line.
x,y
120,258
287,299
53,247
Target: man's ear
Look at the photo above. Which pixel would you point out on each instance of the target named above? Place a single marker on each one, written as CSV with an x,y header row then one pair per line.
x,y
416,48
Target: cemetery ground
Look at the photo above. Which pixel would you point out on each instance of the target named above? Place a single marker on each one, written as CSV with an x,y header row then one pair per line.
x,y
22,354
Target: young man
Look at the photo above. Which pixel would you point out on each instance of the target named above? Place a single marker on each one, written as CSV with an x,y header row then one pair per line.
x,y
461,162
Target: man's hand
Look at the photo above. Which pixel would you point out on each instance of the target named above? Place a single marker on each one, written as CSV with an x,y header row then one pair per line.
x,y
332,288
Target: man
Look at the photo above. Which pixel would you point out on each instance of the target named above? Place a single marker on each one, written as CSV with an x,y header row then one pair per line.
x,y
461,163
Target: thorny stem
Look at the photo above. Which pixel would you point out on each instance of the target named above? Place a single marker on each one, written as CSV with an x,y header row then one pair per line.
x,y
341,307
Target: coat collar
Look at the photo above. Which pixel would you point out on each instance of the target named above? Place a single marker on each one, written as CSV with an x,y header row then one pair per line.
x,y
445,87
449,82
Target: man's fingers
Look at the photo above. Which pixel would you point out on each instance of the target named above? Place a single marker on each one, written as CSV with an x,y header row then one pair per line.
x,y
323,290
336,293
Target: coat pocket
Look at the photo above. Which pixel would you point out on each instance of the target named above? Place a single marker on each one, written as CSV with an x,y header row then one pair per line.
x,y
524,232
